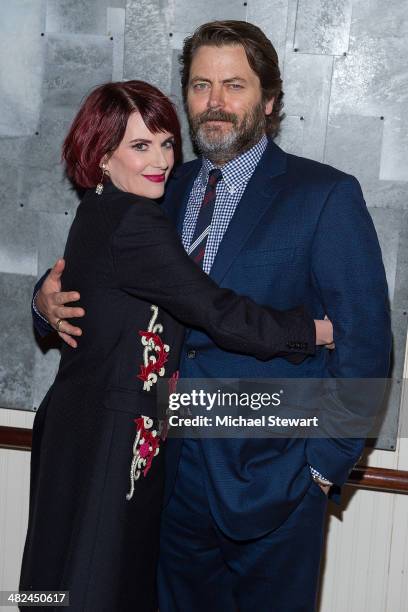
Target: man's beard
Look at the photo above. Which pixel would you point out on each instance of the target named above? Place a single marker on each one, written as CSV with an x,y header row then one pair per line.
x,y
219,146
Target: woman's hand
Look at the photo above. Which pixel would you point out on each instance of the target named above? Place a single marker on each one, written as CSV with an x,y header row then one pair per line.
x,y
324,333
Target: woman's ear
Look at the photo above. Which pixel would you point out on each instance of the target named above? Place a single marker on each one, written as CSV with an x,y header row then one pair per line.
x,y
104,163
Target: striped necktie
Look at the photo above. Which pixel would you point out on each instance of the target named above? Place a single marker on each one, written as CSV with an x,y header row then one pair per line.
x,y
203,224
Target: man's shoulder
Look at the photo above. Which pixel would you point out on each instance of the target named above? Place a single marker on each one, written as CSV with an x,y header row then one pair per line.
x,y
313,172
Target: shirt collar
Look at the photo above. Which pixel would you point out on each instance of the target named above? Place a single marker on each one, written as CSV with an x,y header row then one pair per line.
x,y
239,170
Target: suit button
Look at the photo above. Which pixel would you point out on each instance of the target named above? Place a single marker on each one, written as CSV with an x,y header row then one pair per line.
x,y
191,354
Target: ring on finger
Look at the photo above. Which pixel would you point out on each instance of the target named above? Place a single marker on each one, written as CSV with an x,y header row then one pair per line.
x,y
58,325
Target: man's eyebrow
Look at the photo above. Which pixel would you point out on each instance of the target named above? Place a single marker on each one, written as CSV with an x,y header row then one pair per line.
x,y
235,78
198,78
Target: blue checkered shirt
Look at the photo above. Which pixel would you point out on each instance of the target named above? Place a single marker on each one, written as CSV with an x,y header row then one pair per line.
x,y
235,177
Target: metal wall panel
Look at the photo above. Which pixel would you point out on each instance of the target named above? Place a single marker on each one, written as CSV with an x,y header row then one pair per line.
x,y
17,354
147,42
323,26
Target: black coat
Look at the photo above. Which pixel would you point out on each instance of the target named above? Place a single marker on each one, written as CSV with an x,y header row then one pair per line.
x,y
94,515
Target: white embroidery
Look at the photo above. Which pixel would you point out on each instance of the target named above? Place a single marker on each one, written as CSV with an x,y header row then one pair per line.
x,y
155,352
145,448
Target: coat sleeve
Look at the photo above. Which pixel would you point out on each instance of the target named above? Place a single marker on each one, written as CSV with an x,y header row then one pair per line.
x,y
151,263
348,275
41,325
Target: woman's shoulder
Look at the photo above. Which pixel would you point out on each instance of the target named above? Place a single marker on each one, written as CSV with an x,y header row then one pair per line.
x,y
119,206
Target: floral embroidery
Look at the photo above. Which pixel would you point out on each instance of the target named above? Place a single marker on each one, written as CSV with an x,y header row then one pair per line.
x,y
155,353
145,448
147,441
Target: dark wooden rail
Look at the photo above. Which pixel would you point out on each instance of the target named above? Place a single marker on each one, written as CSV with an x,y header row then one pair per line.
x,y
363,477
16,438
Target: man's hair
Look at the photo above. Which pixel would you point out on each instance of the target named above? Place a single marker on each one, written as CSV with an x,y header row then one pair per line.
x,y
260,53
100,125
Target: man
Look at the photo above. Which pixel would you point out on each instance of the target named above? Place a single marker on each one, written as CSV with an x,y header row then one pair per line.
x,y
243,520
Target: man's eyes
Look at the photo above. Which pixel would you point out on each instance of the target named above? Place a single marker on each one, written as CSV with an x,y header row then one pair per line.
x,y
203,86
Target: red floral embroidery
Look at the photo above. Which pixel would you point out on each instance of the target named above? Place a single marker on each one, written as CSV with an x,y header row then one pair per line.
x,y
162,356
145,447
155,353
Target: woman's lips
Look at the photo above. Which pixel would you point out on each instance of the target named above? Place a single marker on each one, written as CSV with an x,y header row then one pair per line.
x,y
155,178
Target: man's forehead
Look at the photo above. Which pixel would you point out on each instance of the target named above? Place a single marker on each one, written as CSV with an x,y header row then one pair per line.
x,y
222,57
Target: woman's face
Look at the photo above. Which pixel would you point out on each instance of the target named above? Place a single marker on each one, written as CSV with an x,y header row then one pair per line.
x,y
143,161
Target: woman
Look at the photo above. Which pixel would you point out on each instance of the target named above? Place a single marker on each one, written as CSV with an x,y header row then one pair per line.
x,y
97,459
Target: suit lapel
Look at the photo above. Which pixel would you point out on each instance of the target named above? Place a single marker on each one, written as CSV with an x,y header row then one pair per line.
x,y
259,195
179,190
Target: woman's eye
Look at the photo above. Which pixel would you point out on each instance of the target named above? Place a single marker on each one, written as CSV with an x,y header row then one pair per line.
x,y
140,146
169,144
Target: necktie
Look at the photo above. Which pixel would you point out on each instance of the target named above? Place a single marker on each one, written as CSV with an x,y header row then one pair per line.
x,y
203,224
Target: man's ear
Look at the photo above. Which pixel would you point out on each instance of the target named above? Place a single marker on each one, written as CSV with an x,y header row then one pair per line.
x,y
269,106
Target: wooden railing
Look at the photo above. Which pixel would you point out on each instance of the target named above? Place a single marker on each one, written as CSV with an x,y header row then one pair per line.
x,y
363,477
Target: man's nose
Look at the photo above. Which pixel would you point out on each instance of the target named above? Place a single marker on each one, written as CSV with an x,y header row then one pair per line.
x,y
216,98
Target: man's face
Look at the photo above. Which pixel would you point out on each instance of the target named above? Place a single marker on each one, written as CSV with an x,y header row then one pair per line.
x,y
224,102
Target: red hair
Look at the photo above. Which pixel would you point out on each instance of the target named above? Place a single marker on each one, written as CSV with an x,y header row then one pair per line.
x,y
100,125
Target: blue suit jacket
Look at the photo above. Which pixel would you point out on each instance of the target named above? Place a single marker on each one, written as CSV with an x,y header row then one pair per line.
x,y
301,234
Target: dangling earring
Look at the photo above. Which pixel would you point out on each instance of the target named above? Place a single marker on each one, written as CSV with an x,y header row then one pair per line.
x,y
99,187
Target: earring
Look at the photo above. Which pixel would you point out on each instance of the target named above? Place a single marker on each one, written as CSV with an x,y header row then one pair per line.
x,y
99,187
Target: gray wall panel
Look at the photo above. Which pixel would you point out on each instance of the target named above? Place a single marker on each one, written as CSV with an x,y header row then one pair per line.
x,y
372,79
52,234
323,26
116,18
17,354
175,94
186,18
74,64
394,150
21,80
19,242
272,18
307,93
11,170
147,42
76,16
291,137
353,144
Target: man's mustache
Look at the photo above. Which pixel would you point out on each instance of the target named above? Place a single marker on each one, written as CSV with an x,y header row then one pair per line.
x,y
216,116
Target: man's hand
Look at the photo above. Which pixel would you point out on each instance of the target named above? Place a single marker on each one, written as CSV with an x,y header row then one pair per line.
x,y
324,333
324,488
50,301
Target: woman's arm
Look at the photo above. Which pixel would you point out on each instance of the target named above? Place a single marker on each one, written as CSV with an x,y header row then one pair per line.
x,y
151,263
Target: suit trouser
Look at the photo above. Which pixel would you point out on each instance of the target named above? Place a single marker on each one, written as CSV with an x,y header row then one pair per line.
x,y
202,570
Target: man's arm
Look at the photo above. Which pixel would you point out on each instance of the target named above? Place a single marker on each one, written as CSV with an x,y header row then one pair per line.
x,y
48,305
349,276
